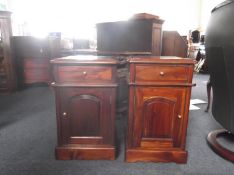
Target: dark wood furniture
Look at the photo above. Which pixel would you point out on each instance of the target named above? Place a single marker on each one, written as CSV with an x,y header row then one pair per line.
x,y
7,73
32,56
159,96
208,90
36,70
173,44
142,33
212,140
85,89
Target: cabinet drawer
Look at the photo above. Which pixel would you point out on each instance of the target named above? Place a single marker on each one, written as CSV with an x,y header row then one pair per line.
x,y
36,75
88,74
161,73
36,63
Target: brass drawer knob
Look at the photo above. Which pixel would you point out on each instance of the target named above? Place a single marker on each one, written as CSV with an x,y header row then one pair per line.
x,y
179,116
161,73
84,73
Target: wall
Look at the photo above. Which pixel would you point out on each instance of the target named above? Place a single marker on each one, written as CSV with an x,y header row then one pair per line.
x,y
206,7
3,5
78,18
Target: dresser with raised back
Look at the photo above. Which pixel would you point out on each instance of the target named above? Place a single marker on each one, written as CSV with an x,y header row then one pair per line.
x,y
159,96
32,57
140,34
85,90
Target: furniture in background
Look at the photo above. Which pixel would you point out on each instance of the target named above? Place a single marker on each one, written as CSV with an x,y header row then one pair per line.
x,y
32,57
69,52
159,96
7,73
81,44
76,47
173,44
220,59
195,36
142,33
85,90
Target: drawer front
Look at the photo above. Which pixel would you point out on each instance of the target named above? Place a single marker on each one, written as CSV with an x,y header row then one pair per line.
x,y
36,75
161,73
88,74
36,63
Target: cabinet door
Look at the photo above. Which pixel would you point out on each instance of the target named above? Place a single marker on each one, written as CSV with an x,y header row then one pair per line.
x,y
158,117
85,116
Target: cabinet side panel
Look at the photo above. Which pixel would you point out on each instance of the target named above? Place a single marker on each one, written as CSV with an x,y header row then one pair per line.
x,y
156,39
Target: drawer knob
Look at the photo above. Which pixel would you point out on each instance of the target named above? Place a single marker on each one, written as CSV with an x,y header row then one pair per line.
x,y
161,73
84,73
179,116
64,114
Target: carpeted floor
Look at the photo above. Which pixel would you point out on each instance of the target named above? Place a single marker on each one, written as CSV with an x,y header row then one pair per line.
x,y
28,138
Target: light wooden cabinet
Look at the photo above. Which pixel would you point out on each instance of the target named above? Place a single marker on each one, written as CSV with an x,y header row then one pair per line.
x,y
159,94
85,89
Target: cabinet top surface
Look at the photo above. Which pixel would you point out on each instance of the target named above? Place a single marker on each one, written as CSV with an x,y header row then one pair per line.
x,y
5,14
160,59
133,20
84,59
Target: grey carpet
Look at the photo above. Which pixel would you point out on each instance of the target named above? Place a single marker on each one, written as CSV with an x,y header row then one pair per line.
x,y
28,138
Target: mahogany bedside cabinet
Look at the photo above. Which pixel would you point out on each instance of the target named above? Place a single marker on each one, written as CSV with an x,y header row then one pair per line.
x,y
85,91
159,96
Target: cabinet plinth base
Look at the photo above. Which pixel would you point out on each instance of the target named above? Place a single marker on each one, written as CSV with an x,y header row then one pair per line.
x,y
139,155
85,153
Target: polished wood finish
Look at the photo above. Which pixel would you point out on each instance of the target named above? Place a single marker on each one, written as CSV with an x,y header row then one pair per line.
x,y
144,16
142,33
88,152
217,147
84,74
159,96
173,44
162,73
36,70
33,57
7,67
85,89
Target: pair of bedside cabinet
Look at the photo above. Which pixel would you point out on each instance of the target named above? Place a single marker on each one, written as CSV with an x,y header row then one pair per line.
x,y
159,94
